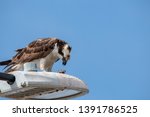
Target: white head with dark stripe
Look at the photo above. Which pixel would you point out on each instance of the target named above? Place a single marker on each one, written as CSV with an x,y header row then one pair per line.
x,y
64,51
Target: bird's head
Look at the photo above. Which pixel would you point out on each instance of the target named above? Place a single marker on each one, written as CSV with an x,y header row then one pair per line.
x,y
64,51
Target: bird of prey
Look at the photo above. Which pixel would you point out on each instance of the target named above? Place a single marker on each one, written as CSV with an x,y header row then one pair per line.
x,y
43,53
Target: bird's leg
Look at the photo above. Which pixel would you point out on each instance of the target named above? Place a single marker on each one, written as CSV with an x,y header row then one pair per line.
x,y
49,69
42,69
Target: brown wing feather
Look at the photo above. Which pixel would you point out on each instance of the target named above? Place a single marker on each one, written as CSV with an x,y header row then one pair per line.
x,y
35,50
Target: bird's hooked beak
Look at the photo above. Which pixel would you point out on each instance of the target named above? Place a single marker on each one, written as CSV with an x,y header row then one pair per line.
x,y
64,61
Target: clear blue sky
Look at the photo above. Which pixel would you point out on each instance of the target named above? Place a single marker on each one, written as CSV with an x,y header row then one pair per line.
x,y
110,40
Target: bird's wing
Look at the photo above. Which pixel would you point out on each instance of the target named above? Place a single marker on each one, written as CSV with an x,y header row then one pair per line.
x,y
35,50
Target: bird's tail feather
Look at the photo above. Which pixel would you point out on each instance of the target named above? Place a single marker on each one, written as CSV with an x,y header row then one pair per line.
x,y
5,62
10,69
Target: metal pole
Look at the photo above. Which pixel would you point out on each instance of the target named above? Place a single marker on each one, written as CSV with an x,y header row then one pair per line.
x,y
7,77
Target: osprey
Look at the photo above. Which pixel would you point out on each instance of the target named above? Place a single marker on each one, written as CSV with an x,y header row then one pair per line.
x,y
43,53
